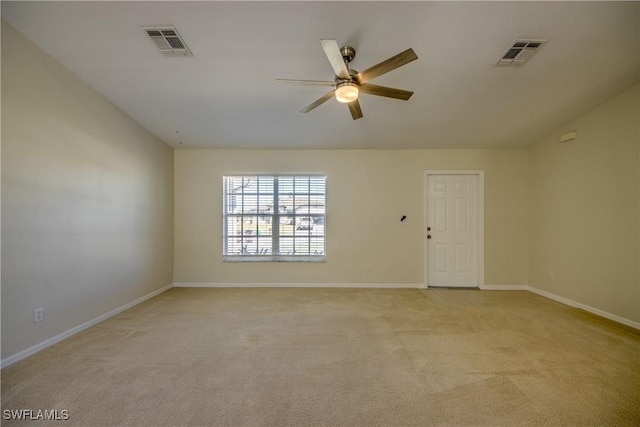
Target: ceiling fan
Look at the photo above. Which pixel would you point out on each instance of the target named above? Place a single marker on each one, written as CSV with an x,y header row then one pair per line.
x,y
348,83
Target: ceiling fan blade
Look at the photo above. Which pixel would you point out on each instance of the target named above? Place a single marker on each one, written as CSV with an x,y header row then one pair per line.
x,y
318,102
388,92
354,107
332,50
387,65
307,82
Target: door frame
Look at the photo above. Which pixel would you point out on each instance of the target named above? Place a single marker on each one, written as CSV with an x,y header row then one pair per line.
x,y
480,220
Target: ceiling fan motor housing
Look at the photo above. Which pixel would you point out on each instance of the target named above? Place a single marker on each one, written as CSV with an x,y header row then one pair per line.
x,y
353,78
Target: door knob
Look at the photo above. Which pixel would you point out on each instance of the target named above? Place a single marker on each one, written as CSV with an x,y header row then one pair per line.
x,y
428,228
428,236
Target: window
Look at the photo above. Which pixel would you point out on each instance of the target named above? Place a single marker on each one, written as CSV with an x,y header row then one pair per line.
x,y
274,218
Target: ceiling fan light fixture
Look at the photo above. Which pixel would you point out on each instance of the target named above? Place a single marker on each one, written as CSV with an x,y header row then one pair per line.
x,y
346,92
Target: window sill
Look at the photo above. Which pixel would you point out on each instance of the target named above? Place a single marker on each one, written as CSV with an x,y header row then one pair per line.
x,y
271,258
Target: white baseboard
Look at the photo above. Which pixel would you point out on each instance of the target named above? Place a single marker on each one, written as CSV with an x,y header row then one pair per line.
x,y
596,311
66,334
298,285
563,300
504,287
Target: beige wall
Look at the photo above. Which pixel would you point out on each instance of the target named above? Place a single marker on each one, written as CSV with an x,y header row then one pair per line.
x,y
584,204
87,200
367,192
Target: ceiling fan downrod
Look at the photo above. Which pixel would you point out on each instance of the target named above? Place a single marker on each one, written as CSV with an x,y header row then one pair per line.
x,y
348,53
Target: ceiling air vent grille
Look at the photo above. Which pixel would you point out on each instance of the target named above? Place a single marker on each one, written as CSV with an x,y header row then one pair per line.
x,y
520,52
168,41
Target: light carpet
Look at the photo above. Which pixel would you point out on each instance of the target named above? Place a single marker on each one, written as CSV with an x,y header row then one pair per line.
x,y
337,357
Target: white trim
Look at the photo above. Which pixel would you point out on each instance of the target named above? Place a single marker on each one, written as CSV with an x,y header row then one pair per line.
x,y
596,311
274,258
66,334
480,174
299,285
504,288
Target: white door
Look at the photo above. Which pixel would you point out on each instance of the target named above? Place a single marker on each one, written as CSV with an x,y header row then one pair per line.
x,y
452,220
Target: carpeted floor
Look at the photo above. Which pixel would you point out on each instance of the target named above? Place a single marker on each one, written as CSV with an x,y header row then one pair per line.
x,y
337,357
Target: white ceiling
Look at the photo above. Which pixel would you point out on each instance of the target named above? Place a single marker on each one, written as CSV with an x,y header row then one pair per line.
x,y
225,96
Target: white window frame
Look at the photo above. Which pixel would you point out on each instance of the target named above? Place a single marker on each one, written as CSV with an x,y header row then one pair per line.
x,y
276,216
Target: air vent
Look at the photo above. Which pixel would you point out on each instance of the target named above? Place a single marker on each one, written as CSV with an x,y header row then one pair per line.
x,y
168,41
520,52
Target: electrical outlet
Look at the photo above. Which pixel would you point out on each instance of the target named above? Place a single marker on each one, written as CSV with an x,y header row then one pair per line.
x,y
38,315
550,275
368,268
